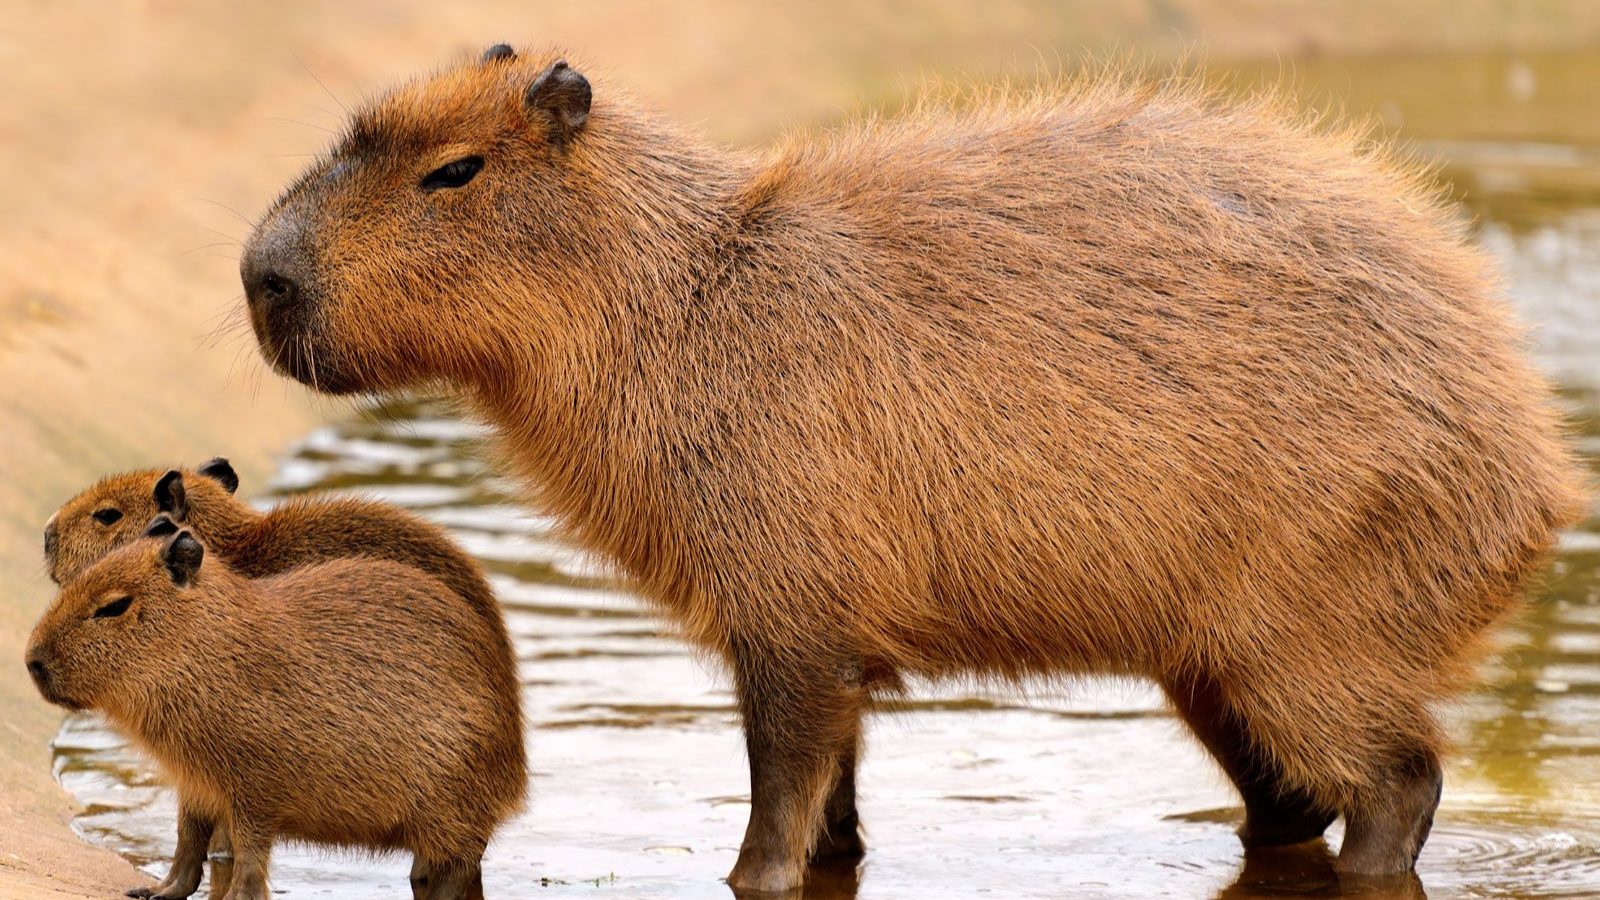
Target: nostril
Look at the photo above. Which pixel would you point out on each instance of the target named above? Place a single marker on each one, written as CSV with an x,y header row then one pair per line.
x,y
37,670
276,286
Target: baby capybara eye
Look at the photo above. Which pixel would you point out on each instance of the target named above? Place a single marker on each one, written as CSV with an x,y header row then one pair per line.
x,y
114,608
452,175
107,516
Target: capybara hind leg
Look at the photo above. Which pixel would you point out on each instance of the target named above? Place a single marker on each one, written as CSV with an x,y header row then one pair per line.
x,y
456,879
1276,813
194,833
252,854
839,839
1386,828
799,717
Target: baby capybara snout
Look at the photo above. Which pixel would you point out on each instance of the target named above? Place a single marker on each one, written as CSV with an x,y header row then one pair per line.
x,y
289,706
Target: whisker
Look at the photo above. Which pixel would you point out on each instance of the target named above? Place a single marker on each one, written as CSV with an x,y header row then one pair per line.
x,y
320,128
230,209
321,85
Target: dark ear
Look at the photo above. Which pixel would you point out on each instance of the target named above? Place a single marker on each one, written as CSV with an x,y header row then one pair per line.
x,y
160,526
498,52
183,556
221,471
170,495
561,93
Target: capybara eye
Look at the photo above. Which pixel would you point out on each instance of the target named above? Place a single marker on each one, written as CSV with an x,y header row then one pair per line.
x,y
452,175
107,516
114,608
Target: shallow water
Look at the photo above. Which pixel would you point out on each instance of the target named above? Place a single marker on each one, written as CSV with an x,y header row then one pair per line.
x,y
639,787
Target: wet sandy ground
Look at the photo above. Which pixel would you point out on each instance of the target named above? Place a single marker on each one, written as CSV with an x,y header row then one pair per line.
x,y
1089,789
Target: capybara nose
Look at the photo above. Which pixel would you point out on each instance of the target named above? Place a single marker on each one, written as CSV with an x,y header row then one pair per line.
x,y
41,674
273,288
276,268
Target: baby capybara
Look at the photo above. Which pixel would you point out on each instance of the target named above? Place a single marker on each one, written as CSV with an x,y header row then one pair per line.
x,y
289,706
1104,377
296,532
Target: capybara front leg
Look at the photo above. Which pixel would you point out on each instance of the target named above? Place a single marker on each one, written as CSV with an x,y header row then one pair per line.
x,y
799,718
1276,813
194,833
839,839
455,879
252,854
1386,828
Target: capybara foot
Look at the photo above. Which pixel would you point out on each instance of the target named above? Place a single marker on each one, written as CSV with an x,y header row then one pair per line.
x,y
840,841
460,879
175,887
755,875
1290,819
1384,836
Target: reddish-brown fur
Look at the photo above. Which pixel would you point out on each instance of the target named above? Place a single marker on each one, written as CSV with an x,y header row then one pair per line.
x,y
295,532
290,706
1104,377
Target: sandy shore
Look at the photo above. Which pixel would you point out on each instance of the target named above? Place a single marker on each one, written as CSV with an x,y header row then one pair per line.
x,y
139,137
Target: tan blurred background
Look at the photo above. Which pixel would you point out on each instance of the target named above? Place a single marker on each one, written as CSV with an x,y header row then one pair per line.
x,y
138,138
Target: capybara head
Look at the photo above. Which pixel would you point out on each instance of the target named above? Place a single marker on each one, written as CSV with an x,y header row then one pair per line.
x,y
387,263
108,623
117,509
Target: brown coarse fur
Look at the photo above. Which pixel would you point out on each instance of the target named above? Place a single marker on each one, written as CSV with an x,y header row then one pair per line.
x,y
352,702
1108,376
296,532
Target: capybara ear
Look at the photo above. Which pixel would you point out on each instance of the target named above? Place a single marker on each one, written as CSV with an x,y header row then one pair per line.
x,y
161,526
183,556
563,94
220,470
498,52
170,495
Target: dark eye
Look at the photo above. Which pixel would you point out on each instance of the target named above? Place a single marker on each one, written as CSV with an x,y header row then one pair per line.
x,y
113,609
452,175
107,516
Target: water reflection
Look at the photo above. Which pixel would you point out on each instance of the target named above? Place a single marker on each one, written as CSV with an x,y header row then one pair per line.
x,y
1090,790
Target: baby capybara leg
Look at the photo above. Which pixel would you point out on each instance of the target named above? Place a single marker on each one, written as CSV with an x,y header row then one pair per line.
x,y
1386,827
799,718
194,834
1276,813
839,838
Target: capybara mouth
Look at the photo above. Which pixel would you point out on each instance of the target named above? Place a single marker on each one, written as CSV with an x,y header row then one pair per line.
x,y
297,352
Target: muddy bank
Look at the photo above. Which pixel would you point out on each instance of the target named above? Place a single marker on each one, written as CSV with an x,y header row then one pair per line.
x,y
138,134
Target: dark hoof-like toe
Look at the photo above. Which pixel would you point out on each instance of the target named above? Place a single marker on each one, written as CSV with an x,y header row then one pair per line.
x,y
142,893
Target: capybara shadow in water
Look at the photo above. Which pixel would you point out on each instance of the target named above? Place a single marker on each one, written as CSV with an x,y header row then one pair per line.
x,y
355,702
1107,376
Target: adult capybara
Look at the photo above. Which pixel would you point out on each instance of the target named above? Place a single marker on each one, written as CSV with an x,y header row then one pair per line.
x,y
1104,377
289,706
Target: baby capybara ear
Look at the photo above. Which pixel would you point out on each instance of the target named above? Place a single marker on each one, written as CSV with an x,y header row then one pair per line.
x,y
170,495
221,471
183,557
561,94
161,526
